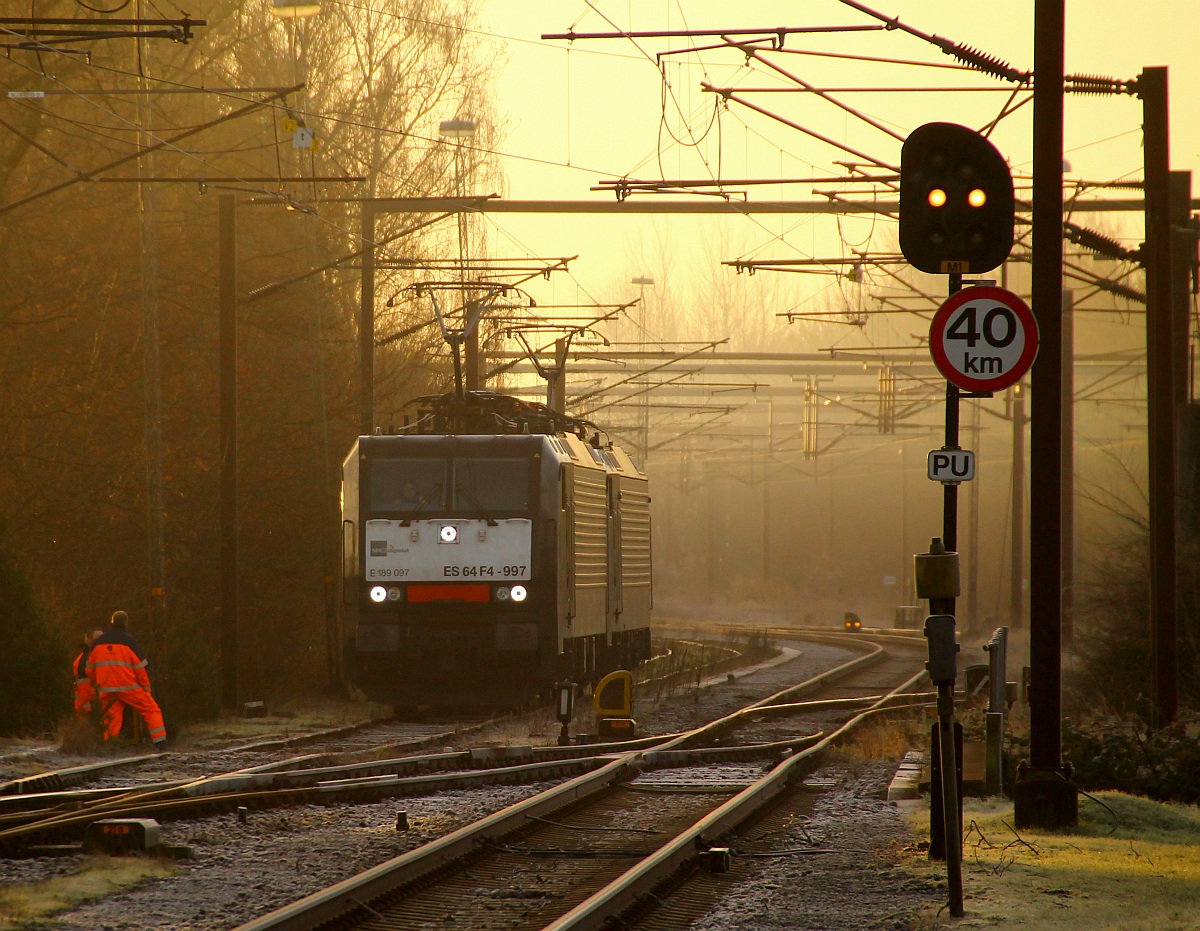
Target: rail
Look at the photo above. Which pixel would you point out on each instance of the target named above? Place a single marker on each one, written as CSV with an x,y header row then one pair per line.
x,y
349,895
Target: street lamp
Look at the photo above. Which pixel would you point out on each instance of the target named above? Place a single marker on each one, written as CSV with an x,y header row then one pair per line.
x,y
458,130
295,9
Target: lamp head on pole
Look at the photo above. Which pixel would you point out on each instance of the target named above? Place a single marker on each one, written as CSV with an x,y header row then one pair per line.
x,y
457,129
295,9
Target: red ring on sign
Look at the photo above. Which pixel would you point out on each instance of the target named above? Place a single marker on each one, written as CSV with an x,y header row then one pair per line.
x,y
1004,297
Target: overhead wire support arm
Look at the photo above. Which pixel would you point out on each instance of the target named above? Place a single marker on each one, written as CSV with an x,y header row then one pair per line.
x,y
756,54
140,153
726,94
706,347
39,35
752,264
623,187
971,57
266,289
777,31
520,329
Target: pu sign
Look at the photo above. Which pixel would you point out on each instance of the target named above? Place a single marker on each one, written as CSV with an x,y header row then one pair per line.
x,y
983,338
951,466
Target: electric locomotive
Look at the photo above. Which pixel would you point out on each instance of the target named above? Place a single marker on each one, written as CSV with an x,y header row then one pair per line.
x,y
489,552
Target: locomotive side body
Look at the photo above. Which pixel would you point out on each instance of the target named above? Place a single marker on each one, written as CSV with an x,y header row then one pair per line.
x,y
478,570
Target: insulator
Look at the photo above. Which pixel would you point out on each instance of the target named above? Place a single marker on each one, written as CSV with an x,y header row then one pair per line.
x,y
1094,84
1115,287
987,63
1125,185
1097,242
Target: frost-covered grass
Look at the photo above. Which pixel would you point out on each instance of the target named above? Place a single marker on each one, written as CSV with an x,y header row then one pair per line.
x,y
25,905
1132,864
884,738
284,721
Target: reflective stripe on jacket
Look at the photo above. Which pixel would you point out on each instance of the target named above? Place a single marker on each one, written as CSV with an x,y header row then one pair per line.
x,y
116,664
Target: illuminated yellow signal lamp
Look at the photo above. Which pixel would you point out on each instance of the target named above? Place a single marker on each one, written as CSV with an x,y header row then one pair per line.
x,y
956,201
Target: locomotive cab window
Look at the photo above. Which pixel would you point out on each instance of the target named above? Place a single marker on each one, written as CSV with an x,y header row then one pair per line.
x,y
491,486
408,485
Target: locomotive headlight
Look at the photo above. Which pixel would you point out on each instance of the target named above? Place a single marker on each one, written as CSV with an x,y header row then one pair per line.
x,y
502,593
379,594
518,593
395,593
448,534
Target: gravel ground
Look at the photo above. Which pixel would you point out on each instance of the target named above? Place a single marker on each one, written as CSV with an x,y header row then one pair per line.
x,y
854,882
241,871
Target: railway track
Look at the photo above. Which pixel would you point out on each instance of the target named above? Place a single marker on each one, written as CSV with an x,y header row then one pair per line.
x,y
363,762
602,845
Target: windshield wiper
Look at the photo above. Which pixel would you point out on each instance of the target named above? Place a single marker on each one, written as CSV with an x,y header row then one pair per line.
x,y
460,487
423,502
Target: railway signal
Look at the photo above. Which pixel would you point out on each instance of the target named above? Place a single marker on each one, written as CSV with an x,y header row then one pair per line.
x,y
956,201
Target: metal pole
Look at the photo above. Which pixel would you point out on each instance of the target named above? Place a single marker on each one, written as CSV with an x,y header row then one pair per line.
x,y
972,612
1042,797
556,384
766,495
1068,468
1016,602
950,802
1152,88
155,534
471,339
1045,555
366,324
1183,255
997,650
950,490
227,226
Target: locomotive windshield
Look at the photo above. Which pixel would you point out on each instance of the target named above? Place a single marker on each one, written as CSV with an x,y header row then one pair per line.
x,y
491,485
408,485
484,486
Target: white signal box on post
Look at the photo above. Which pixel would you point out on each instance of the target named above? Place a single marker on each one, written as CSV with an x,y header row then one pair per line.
x,y
951,466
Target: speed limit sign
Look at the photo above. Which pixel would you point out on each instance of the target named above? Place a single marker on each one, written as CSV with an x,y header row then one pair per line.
x,y
983,338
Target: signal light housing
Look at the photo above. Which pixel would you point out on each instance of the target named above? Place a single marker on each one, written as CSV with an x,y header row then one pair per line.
x,y
956,201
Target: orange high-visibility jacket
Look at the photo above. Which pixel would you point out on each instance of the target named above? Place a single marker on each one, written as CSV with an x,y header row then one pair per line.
x,y
117,664
84,690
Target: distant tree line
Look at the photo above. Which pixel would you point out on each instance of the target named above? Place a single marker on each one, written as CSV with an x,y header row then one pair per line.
x,y
88,270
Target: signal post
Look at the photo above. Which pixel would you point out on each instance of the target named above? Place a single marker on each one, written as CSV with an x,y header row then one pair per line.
x,y
956,216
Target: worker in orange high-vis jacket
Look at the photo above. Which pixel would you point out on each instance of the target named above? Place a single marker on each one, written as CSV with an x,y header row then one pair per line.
x,y
116,668
85,692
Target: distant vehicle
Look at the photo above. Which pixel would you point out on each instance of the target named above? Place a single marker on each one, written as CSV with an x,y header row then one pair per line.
x,y
489,553
852,621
